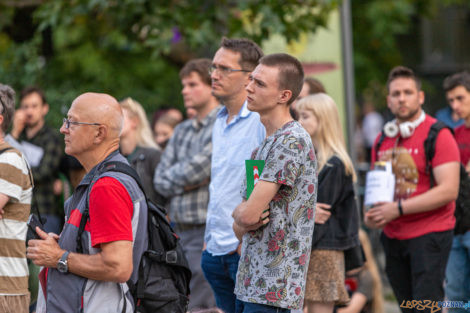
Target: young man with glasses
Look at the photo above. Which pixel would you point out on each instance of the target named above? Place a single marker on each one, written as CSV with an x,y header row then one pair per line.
x,y
235,134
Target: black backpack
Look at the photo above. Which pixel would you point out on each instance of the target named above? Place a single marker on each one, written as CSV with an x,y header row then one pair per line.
x,y
164,274
462,204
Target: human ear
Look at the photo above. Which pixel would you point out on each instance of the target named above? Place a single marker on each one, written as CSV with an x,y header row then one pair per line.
x,y
101,134
285,96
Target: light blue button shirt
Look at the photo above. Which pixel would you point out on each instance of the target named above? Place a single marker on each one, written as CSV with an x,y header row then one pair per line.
x,y
232,144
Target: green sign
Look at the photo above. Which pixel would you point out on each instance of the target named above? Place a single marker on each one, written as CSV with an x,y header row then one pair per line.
x,y
253,174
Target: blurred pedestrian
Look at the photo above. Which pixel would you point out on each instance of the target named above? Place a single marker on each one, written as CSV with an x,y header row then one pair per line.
x,y
42,147
418,224
365,284
183,174
137,145
163,129
457,88
310,86
337,216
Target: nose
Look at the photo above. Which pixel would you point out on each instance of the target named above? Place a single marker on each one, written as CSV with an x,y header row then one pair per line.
x,y
184,90
215,74
454,104
249,88
62,129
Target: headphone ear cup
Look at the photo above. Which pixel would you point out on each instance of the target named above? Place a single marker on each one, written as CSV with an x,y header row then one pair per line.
x,y
406,129
391,129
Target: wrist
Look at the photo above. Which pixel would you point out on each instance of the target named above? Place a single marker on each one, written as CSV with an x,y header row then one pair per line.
x,y
400,208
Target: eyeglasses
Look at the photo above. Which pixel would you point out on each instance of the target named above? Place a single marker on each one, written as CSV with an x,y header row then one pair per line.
x,y
68,122
223,69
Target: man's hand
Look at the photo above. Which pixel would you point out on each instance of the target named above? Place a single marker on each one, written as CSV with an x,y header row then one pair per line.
x,y
19,123
262,219
382,213
467,167
45,251
322,213
193,187
240,230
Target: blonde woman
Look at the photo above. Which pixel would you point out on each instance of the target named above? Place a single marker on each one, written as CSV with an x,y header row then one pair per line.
x,y
138,147
366,284
336,220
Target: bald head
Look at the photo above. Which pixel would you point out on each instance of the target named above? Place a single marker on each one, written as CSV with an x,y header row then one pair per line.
x,y
100,108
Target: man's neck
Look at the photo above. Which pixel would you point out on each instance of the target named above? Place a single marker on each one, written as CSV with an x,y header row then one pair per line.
x,y
275,119
95,157
206,109
467,122
234,105
412,118
32,131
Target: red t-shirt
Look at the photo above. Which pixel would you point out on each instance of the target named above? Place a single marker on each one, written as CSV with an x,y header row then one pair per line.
x,y
462,136
111,212
409,166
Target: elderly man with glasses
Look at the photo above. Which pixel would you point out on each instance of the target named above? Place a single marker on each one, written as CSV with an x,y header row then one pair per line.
x,y
113,240
236,133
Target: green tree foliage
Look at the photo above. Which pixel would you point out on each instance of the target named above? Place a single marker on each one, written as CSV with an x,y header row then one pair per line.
x,y
377,28
132,47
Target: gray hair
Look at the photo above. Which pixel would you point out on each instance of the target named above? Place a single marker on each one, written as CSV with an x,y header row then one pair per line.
x,y
7,106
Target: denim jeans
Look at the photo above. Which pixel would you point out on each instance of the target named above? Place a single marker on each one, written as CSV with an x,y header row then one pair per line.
x,y
458,271
221,273
261,308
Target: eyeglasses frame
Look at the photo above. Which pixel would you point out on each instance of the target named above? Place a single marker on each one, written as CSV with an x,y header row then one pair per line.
x,y
68,122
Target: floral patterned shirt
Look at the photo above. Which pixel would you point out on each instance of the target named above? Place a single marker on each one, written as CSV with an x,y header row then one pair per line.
x,y
274,260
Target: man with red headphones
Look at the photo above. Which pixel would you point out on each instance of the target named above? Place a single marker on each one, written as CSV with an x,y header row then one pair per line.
x,y
418,225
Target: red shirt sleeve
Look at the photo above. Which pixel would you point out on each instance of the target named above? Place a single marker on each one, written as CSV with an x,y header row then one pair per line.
x,y
446,149
111,212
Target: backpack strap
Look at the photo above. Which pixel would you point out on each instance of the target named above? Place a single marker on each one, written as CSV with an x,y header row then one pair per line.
x,y
112,166
378,144
430,147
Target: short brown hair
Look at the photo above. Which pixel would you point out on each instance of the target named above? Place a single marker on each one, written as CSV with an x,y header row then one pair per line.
x,y
250,52
7,106
30,90
199,66
314,86
402,72
457,79
291,73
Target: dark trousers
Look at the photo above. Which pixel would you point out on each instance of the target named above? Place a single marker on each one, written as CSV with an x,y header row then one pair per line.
x,y
192,240
416,267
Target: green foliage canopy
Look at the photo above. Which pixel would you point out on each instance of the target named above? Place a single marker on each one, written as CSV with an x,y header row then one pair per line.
x,y
132,47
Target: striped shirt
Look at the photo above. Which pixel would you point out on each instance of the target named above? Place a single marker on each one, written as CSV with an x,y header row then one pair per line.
x,y
16,184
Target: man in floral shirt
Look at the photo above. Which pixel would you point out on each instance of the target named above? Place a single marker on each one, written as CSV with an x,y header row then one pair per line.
x,y
276,222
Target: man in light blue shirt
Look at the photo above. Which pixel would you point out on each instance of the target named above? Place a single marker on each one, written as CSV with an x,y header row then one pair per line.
x,y
236,133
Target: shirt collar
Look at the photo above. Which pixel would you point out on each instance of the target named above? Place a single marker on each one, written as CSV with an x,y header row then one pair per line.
x,y
244,112
197,124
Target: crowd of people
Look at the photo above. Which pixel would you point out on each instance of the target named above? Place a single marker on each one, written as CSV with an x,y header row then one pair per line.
x,y
257,183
